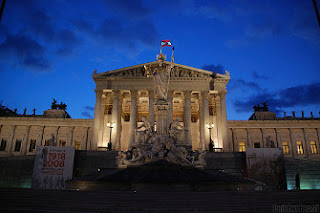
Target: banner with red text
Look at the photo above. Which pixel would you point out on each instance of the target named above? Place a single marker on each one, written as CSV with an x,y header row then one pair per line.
x,y
53,166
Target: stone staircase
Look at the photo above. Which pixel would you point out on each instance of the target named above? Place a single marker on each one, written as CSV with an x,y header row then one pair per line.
x,y
309,170
28,200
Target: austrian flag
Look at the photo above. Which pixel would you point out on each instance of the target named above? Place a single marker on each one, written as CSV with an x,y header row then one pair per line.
x,y
166,43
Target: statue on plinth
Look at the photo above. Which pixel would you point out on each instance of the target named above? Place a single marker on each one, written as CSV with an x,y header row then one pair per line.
x,y
161,77
165,143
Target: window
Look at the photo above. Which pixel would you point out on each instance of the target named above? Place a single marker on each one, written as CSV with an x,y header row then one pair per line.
x,y
242,146
126,117
77,145
210,110
285,148
299,148
62,143
313,147
257,145
32,145
17,146
3,145
194,118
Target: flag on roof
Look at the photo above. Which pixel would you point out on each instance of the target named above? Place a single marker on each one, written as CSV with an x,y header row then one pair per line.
x,y
165,43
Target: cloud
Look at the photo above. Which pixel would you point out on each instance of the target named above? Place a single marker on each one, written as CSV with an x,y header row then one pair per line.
x,y
114,33
89,108
86,114
28,52
243,85
258,76
302,95
87,111
304,24
133,9
40,24
35,35
214,68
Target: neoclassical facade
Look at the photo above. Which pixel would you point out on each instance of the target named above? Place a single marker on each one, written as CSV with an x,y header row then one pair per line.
x,y
195,96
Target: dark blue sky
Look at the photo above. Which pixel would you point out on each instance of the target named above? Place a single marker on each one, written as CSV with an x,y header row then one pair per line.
x,y
270,47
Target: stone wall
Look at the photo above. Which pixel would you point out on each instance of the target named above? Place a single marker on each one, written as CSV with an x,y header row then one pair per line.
x,y
18,133
281,133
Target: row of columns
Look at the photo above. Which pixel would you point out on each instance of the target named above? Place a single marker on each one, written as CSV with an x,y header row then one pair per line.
x,y
116,117
25,140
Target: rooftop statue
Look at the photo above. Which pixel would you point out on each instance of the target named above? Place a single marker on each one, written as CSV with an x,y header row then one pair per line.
x,y
161,77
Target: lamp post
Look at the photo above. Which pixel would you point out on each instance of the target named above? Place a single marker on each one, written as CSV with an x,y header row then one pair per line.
x,y
211,144
110,125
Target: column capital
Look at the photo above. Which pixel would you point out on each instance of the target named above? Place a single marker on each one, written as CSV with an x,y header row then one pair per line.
x,y
134,92
28,127
217,99
222,93
151,93
116,92
187,93
204,93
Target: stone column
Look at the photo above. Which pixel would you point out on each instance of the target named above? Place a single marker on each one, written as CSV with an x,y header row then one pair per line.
x,y
219,122
115,119
151,108
170,101
205,119
70,140
85,145
97,121
56,136
277,137
25,141
226,146
215,122
248,138
11,140
41,136
118,138
306,142
262,137
234,139
187,117
318,137
133,117
293,146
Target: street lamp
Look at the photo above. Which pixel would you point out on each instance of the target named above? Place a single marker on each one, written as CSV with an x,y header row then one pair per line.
x,y
110,125
211,144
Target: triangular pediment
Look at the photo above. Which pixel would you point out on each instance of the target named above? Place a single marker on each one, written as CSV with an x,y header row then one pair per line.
x,y
138,71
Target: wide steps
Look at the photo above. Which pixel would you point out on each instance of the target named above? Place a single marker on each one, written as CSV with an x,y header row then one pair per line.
x,y
28,200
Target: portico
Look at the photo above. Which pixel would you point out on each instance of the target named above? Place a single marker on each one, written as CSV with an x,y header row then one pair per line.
x,y
195,96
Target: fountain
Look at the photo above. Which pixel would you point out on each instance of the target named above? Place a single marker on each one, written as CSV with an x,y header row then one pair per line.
x,y
164,143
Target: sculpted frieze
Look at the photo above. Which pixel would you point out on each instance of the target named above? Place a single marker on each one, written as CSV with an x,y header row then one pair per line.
x,y
142,72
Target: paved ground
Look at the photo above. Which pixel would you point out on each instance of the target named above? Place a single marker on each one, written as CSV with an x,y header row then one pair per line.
x,y
27,200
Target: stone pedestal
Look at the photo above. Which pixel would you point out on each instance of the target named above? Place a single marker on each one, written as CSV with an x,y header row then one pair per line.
x,y
161,109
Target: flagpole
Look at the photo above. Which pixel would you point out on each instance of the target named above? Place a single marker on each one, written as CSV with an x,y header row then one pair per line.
x,y
172,63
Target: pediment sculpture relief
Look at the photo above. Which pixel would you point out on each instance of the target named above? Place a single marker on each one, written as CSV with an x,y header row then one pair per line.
x,y
141,72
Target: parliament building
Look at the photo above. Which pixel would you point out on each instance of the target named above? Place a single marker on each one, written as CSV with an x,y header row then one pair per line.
x,y
197,99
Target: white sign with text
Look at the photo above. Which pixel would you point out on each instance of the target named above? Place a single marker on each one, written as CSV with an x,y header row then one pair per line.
x,y
53,166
